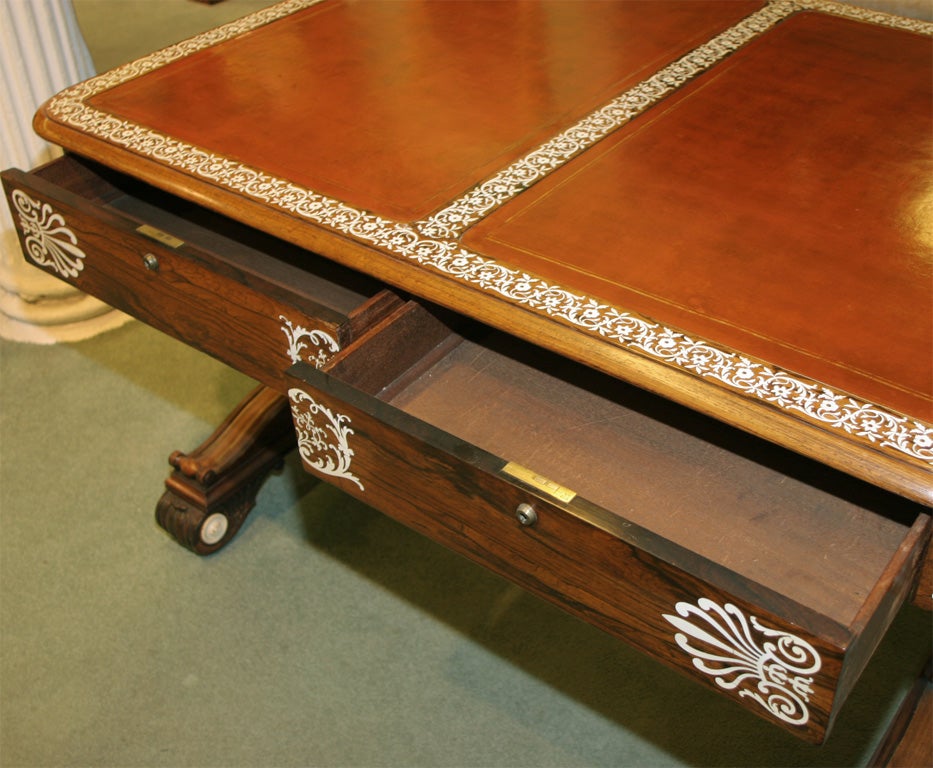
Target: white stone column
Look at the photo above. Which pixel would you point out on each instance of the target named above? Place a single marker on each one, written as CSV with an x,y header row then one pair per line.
x,y
41,52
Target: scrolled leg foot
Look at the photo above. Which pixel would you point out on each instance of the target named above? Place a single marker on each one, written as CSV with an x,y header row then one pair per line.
x,y
204,529
212,490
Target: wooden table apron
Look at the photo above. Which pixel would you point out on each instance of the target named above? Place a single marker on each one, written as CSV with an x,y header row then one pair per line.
x,y
726,204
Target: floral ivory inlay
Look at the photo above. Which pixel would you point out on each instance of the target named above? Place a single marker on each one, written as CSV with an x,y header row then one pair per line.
x,y
316,345
323,437
770,666
433,243
48,241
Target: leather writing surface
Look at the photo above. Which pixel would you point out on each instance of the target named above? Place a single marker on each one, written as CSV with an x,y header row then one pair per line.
x,y
428,257
398,107
780,205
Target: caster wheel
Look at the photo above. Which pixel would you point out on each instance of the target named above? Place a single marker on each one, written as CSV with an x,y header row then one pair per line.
x,y
214,528
193,527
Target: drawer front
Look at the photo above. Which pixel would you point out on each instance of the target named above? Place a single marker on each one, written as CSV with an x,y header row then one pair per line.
x,y
671,606
175,287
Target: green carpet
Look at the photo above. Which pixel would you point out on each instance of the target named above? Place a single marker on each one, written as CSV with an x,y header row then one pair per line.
x,y
325,634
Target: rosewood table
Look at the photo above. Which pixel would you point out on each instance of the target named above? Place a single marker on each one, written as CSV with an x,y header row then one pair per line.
x,y
629,302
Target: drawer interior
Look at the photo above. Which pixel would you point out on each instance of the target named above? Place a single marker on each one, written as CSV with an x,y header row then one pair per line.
x,y
294,269
814,535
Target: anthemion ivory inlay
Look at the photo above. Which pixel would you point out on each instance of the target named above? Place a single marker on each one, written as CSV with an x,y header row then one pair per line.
x,y
770,666
48,241
323,437
322,345
432,243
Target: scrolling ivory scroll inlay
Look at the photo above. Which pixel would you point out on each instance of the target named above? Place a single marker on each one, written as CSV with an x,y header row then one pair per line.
x,y
770,666
316,346
48,241
323,437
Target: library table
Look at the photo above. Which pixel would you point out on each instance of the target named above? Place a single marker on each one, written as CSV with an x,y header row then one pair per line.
x,y
629,302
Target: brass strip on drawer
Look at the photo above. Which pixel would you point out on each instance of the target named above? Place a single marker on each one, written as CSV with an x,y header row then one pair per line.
x,y
542,484
159,236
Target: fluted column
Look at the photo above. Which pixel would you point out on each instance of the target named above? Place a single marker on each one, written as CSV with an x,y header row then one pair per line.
x,y
41,52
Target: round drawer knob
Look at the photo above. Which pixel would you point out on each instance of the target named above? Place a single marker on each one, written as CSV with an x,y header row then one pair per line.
x,y
526,515
151,262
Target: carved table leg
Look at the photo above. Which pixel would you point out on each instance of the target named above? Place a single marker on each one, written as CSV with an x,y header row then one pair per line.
x,y
908,742
212,490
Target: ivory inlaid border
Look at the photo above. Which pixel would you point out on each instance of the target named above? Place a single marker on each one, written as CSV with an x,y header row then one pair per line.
x,y
432,242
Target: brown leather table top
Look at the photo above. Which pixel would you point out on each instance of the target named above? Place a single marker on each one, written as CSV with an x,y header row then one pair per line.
x,y
780,204
733,190
399,107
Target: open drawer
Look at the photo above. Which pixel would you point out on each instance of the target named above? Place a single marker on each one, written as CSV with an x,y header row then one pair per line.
x,y
760,573
199,276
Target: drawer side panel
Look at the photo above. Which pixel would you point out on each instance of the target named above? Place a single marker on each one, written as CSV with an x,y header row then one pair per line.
x,y
459,499
166,284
